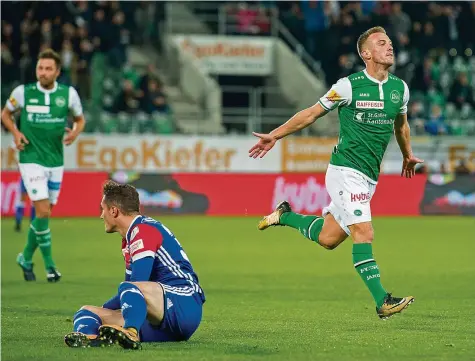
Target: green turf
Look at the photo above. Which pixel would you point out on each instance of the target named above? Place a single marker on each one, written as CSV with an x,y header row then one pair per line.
x,y
271,295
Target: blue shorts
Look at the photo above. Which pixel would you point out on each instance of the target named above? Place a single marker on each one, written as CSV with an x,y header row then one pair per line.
x,y
182,317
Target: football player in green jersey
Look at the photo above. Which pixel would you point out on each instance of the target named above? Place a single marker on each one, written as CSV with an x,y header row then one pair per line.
x,y
44,107
372,105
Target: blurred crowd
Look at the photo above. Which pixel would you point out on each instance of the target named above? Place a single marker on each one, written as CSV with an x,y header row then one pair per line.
x,y
92,39
433,42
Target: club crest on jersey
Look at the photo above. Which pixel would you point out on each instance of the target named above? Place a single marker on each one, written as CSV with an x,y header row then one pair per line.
x,y
333,96
60,102
13,101
368,104
395,97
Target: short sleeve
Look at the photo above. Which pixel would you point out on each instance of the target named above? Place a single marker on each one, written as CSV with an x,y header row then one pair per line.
x,y
145,243
338,95
74,102
17,99
405,99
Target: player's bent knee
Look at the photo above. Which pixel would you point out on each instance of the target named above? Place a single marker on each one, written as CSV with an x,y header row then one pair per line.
x,y
88,308
42,206
331,241
362,232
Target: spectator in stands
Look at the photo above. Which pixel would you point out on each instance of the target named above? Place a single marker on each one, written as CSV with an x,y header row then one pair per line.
x,y
435,124
465,25
67,59
461,92
293,20
430,40
143,88
84,65
118,40
415,116
99,31
423,76
155,100
127,101
316,22
400,23
245,18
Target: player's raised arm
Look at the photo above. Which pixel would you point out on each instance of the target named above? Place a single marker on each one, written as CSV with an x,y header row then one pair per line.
x,y
78,117
402,131
14,104
338,95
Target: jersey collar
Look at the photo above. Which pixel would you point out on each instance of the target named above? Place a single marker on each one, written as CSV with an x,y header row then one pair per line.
x,y
134,222
374,79
46,91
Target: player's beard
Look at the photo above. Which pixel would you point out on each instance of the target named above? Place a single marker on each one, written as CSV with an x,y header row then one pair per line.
x,y
47,83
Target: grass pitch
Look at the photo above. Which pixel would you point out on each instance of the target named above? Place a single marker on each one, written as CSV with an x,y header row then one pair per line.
x,y
271,295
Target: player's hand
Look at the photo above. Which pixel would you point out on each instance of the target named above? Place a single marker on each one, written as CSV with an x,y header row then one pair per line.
x,y
20,140
70,137
409,166
265,143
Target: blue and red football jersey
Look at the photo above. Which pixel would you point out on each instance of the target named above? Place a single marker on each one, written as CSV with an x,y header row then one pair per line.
x,y
148,237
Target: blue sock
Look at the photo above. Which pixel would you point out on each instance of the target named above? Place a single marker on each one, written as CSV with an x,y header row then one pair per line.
x,y
32,213
132,303
19,212
87,322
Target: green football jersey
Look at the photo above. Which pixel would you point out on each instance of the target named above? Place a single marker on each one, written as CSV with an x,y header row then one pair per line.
x,y
44,115
367,109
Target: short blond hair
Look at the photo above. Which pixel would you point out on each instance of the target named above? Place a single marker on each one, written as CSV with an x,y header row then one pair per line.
x,y
363,37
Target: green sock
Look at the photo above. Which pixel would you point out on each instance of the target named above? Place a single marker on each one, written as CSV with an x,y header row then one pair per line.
x,y
43,239
367,268
30,248
309,226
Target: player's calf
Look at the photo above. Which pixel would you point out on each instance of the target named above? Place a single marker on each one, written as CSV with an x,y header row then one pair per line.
x,y
322,230
86,323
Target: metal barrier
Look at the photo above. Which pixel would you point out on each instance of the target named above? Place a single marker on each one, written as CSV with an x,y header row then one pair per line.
x,y
250,108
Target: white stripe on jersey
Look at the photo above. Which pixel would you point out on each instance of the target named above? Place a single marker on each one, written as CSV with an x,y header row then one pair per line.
x,y
83,317
129,272
182,291
181,288
172,265
171,262
165,263
143,255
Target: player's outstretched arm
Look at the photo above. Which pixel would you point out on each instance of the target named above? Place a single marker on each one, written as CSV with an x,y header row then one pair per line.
x,y
299,121
402,131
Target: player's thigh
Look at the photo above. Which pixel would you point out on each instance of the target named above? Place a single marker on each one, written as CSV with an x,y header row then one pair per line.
x,y
351,194
108,317
332,233
154,298
55,179
35,180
